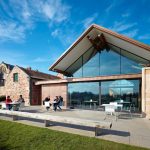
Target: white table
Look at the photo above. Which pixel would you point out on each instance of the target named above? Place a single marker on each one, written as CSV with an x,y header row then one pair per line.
x,y
15,105
116,105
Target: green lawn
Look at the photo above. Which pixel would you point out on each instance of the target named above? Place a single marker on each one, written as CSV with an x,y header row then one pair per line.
x,y
18,136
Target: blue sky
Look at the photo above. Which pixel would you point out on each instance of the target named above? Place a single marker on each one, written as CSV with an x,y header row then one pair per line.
x,y
36,32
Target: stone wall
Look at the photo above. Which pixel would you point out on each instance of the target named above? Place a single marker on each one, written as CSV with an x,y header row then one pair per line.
x,y
2,90
14,89
5,71
146,91
54,90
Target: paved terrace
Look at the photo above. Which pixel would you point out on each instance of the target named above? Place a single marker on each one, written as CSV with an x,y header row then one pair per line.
x,y
134,131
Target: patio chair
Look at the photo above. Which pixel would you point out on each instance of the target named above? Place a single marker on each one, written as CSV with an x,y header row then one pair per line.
x,y
128,110
19,106
118,107
110,110
4,106
22,104
47,105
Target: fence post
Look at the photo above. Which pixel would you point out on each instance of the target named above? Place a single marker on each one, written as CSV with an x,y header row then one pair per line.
x,y
14,118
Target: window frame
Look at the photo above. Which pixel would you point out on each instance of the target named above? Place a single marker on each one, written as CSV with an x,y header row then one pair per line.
x,y
15,77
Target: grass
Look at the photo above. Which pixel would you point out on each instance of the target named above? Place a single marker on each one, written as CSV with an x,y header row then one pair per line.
x,y
23,137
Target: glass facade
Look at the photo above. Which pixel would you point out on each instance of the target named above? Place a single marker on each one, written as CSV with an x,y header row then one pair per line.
x,y
114,61
110,59
81,94
90,95
126,90
91,63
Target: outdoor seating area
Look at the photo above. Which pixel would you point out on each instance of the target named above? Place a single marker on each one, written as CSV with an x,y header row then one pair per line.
x,y
12,106
53,104
116,108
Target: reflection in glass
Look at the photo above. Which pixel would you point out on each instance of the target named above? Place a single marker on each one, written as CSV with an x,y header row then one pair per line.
x,y
110,62
126,90
75,70
84,95
91,63
131,63
115,61
81,94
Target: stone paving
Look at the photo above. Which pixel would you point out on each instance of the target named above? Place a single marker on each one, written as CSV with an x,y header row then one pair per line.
x,y
134,131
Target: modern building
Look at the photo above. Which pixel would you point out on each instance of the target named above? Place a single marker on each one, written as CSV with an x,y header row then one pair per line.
x,y
102,66
15,81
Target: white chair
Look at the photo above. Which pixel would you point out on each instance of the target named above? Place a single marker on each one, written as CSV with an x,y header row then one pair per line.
x,y
4,106
21,105
110,110
47,105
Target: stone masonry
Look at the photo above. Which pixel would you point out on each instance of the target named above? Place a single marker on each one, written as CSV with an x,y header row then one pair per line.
x,y
146,91
14,89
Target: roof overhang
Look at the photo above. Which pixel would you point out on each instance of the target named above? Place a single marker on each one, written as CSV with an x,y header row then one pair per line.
x,y
82,44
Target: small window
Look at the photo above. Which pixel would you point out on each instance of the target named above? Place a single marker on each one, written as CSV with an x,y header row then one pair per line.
x,y
15,77
2,82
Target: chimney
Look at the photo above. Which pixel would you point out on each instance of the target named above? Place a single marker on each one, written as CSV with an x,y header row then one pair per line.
x,y
28,68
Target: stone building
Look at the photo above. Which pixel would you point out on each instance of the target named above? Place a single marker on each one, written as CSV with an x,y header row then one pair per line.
x,y
15,81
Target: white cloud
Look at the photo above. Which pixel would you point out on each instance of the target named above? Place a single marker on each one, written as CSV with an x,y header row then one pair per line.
x,y
55,10
131,33
11,31
23,15
121,26
109,7
144,37
41,59
64,35
125,15
55,33
88,21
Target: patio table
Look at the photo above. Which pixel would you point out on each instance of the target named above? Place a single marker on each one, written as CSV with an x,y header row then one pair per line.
x,y
15,105
116,105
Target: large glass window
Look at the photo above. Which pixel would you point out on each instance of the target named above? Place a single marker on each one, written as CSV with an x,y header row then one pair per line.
x,y
125,90
110,62
90,95
83,95
113,61
131,63
91,63
75,70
